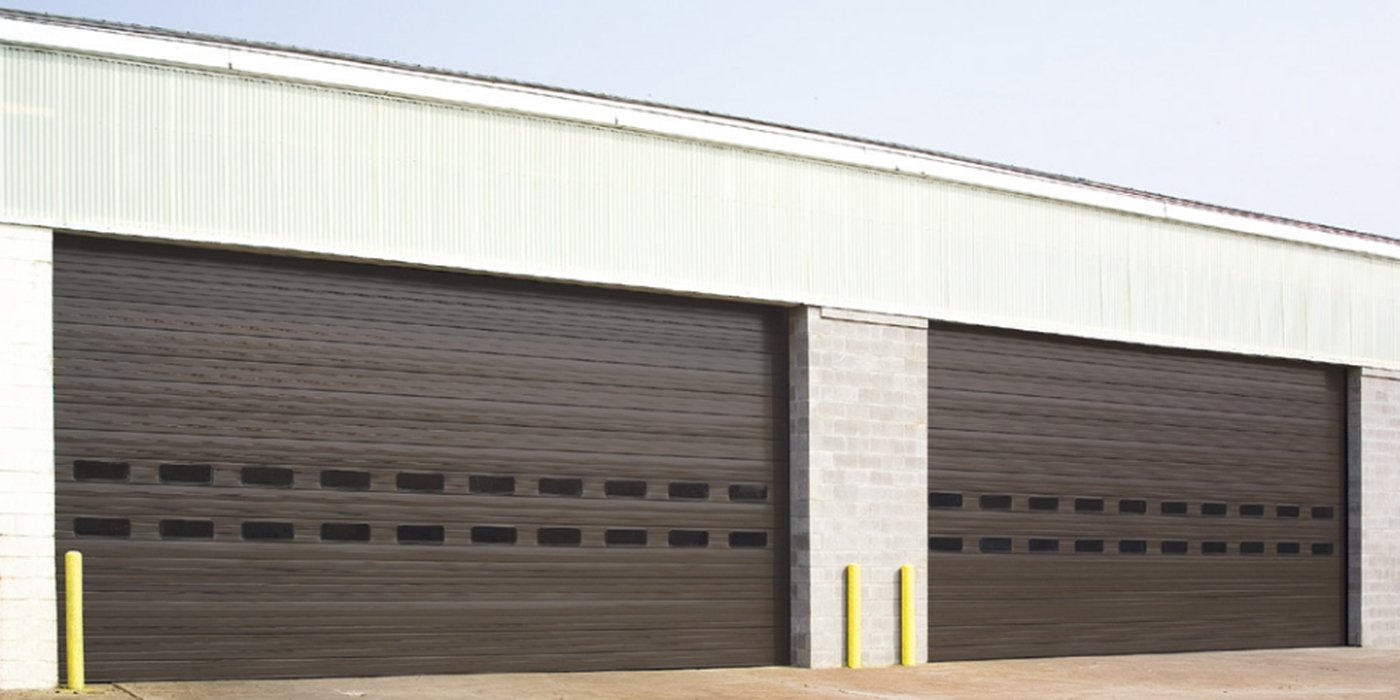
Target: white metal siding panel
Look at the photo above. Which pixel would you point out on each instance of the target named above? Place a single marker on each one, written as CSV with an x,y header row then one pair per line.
x,y
110,146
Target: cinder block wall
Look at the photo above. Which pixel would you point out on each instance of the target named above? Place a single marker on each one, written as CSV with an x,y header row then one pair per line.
x,y
859,478
1375,508
28,631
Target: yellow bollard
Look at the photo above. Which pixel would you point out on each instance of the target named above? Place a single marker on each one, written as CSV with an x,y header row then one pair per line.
x,y
853,615
73,577
906,615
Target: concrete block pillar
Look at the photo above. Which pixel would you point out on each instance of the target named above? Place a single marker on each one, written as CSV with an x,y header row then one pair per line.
x,y
859,437
1374,517
28,606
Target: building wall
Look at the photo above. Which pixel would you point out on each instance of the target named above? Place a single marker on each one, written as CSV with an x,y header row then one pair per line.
x,y
1375,509
104,145
28,630
125,148
859,465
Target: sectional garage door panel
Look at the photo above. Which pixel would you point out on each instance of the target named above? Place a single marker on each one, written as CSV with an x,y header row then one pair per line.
x,y
1090,498
282,467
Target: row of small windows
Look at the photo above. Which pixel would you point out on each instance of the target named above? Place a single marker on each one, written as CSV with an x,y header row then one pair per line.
x,y
413,534
992,545
938,499
428,482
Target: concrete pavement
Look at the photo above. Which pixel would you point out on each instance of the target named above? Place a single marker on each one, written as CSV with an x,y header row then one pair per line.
x,y
1300,673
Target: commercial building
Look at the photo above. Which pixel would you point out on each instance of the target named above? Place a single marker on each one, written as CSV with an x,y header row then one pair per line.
x,y
332,366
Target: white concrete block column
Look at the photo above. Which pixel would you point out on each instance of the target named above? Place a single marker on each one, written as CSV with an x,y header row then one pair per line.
x,y
28,610
859,437
1374,513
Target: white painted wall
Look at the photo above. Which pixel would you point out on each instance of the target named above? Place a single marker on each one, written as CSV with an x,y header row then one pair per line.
x,y
28,623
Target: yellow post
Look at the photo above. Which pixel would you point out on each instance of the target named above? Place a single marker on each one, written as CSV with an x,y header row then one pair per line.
x,y
73,577
906,615
853,615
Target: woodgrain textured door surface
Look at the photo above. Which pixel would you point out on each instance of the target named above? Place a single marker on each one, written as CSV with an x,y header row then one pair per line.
x,y
280,467
1096,498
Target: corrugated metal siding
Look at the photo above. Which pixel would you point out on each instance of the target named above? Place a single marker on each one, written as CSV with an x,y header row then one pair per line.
x,y
102,145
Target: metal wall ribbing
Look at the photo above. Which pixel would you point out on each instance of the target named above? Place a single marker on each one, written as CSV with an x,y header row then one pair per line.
x,y
119,147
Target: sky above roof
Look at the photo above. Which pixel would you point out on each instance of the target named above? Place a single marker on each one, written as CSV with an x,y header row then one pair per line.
x,y
1283,107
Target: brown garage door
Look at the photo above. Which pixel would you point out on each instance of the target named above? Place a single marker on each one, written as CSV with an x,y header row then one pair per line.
x,y
281,467
1094,498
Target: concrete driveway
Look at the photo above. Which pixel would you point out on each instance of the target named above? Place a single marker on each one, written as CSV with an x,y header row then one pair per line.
x,y
1301,673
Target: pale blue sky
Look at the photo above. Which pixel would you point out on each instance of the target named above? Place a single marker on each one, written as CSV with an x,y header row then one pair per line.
x,y
1281,106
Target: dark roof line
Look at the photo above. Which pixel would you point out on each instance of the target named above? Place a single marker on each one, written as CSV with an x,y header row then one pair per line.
x,y
62,20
